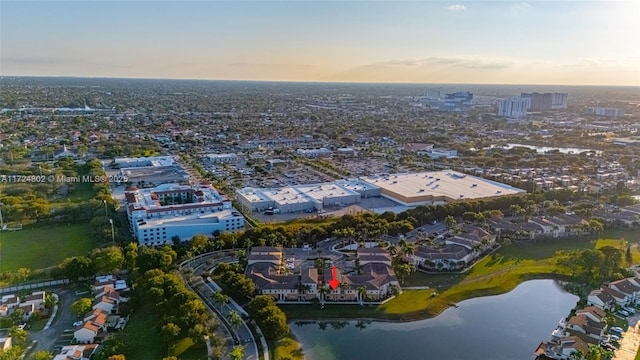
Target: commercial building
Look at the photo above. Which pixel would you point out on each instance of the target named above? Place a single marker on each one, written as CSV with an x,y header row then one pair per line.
x,y
230,158
608,112
314,153
514,107
299,198
458,101
151,171
438,187
158,214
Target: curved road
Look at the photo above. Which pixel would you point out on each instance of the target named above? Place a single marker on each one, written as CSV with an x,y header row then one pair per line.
x,y
243,334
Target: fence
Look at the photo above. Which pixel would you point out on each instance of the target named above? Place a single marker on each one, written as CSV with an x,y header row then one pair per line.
x,y
38,285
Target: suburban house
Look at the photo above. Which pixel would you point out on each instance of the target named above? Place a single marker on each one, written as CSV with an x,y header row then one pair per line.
x,y
593,312
76,352
86,333
601,299
584,324
10,301
626,287
36,298
375,279
107,304
98,317
563,348
562,225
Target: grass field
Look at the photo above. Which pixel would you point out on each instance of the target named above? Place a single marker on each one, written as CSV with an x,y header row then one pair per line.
x,y
143,341
286,348
42,246
495,274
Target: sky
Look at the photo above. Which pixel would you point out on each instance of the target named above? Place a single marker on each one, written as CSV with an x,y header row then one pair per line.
x,y
470,42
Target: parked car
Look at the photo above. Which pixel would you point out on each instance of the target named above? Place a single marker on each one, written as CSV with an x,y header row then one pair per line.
x,y
623,313
629,310
78,323
616,329
614,337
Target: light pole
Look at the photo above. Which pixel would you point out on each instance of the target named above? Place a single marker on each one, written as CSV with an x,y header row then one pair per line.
x,y
105,208
113,236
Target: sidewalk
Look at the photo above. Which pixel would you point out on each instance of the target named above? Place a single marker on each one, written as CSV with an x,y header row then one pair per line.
x,y
630,341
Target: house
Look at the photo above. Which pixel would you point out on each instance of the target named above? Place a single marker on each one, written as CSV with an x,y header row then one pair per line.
x,y
36,298
86,333
585,325
378,278
98,317
28,309
593,312
373,255
448,257
601,299
620,298
76,352
106,304
626,287
562,348
10,301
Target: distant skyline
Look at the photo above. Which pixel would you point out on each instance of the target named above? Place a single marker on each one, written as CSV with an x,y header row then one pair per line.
x,y
467,42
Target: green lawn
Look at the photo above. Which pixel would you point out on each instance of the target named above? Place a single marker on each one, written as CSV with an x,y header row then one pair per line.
x,y
287,348
142,340
42,246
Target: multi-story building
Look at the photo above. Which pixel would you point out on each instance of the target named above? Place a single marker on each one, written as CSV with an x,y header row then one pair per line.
x,y
514,107
230,158
609,112
159,214
546,101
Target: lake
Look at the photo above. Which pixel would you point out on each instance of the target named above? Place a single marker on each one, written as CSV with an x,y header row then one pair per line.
x,y
503,327
544,149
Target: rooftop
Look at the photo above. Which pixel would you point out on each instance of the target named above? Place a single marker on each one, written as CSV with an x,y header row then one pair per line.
x,y
444,185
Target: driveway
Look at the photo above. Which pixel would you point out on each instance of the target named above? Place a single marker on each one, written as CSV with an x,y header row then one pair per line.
x,y
49,338
630,341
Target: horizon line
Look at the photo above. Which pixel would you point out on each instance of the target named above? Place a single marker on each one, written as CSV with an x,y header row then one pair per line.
x,y
303,81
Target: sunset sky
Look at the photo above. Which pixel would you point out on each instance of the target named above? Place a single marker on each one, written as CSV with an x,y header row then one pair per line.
x,y
533,42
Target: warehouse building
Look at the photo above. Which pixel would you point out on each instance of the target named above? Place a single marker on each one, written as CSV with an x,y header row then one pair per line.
x,y
438,187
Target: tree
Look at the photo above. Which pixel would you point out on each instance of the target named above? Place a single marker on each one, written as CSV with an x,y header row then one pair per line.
x,y
627,255
219,297
170,332
116,357
237,353
77,268
81,306
404,270
18,336
24,273
362,294
450,221
234,319
107,260
42,355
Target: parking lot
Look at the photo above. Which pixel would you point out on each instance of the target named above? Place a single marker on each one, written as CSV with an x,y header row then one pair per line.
x,y
630,341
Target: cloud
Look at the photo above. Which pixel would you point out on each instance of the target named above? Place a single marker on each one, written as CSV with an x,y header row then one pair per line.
x,y
434,61
519,8
268,65
456,7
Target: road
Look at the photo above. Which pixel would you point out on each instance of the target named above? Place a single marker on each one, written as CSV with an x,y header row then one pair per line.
x,y
48,339
204,289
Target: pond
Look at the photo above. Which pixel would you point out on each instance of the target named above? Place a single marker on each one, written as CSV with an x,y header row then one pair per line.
x,y
503,327
544,149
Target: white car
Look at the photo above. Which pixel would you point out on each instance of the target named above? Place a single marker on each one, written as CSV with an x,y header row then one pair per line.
x,y
614,338
617,329
78,323
629,310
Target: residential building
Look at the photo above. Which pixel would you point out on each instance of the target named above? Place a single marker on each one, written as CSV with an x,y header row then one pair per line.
x,y
76,352
546,101
314,153
159,214
514,107
86,333
5,343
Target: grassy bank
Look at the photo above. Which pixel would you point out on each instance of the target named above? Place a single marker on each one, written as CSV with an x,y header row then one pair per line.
x,y
42,246
496,274
286,348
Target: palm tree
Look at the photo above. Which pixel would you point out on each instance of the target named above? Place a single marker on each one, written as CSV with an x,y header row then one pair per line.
x,y
219,298
323,290
235,320
362,294
237,353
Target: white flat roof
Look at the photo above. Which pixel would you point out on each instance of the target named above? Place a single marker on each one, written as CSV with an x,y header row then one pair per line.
x,y
450,184
195,218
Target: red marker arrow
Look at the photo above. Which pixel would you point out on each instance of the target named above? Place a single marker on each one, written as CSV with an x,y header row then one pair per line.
x,y
333,282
